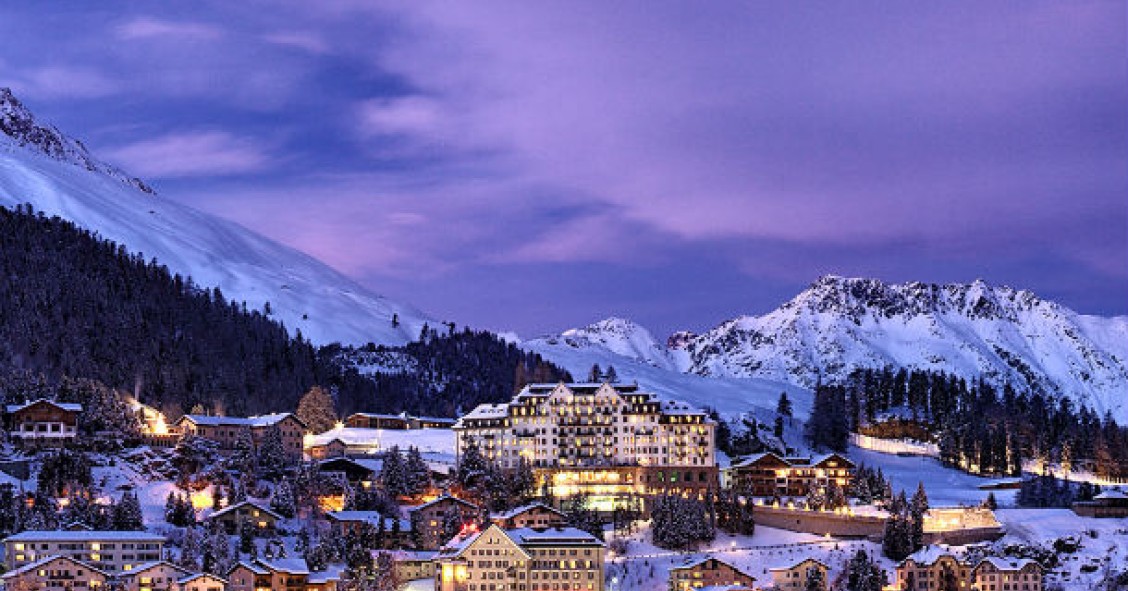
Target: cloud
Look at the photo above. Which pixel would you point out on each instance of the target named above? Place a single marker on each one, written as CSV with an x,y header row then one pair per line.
x,y
146,27
65,82
417,116
304,40
202,153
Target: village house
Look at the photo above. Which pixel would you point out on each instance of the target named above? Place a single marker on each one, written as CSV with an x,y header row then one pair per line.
x,y
368,420
561,559
108,551
928,567
396,533
225,431
794,577
769,475
708,572
201,582
612,442
429,519
1002,574
1110,503
289,574
43,422
153,576
535,515
262,518
411,565
343,441
54,572
362,472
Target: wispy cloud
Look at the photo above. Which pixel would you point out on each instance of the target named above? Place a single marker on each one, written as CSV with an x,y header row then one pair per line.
x,y
147,27
57,81
304,40
202,153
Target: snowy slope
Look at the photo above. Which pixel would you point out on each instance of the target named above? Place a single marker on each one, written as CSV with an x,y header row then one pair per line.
x,y
57,176
619,336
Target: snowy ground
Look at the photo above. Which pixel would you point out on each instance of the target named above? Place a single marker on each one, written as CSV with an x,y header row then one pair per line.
x,y
945,486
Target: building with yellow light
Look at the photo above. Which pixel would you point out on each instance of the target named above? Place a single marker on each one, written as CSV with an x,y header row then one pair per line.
x,y
930,566
559,559
110,551
55,572
768,475
610,441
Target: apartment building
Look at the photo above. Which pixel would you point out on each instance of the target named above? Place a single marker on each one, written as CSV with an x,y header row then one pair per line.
x,y
929,568
794,577
429,519
769,475
535,515
559,559
108,551
153,576
54,572
1004,574
608,440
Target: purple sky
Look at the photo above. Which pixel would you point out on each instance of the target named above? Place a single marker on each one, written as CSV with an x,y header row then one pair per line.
x,y
535,166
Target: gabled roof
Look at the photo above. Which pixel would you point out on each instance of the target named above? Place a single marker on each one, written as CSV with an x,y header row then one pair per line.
x,y
1005,564
293,566
332,572
440,500
193,577
928,555
236,506
369,464
67,406
251,566
140,568
43,561
514,512
696,562
556,536
257,421
835,456
371,517
1111,494
347,436
757,458
795,565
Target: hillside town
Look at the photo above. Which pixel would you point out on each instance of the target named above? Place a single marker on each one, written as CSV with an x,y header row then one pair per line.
x,y
567,487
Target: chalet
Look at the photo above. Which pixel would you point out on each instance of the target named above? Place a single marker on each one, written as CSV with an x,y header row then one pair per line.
x,y
248,576
363,472
231,516
429,519
44,421
109,551
794,577
1000,574
367,420
281,573
1110,503
768,475
535,515
225,431
431,422
929,568
411,565
396,532
708,572
343,441
201,582
55,572
152,576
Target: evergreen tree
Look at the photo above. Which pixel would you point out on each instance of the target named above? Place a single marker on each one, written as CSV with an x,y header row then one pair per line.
x,y
190,549
472,465
272,456
282,502
418,475
611,376
393,474
816,581
596,374
863,574
783,407
315,409
127,513
247,536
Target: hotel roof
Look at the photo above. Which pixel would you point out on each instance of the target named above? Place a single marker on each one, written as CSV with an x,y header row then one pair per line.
x,y
83,536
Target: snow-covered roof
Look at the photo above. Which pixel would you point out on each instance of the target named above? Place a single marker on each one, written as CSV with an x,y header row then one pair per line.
x,y
487,411
193,577
69,406
440,500
527,536
371,517
140,568
374,415
251,566
347,436
928,555
698,561
236,506
752,459
370,464
293,566
43,561
1112,494
817,460
408,555
332,572
83,536
514,512
795,565
1005,564
257,421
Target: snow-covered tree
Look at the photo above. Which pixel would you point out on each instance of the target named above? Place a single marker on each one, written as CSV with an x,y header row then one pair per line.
x,y
127,513
393,474
417,474
282,501
191,549
272,456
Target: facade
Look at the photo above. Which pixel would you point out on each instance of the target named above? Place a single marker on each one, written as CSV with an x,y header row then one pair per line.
x,y
411,564
283,574
54,572
249,576
708,572
535,515
107,551
1111,503
769,475
201,582
153,576
429,519
363,472
225,431
231,516
610,441
926,569
794,577
343,441
44,421
368,420
998,574
563,559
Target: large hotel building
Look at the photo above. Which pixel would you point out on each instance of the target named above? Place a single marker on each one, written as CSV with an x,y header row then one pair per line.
x,y
609,440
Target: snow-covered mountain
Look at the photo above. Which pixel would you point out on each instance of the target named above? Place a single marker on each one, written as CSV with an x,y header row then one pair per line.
x,y
621,337
58,176
839,324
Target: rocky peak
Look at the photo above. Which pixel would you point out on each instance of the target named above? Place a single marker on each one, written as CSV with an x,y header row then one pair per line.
x,y
22,128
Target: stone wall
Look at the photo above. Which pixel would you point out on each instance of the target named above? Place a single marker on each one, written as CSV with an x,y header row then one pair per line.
x,y
821,523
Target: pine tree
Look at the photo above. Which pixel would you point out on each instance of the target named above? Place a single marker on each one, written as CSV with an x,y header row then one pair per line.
x,y
596,374
863,574
316,410
385,573
190,549
247,536
611,376
471,466
816,581
272,455
393,475
917,510
127,513
282,502
783,407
